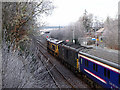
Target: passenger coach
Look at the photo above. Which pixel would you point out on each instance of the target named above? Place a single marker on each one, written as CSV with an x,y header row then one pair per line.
x,y
104,72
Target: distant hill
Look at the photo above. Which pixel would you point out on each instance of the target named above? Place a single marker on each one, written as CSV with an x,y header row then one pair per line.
x,y
50,27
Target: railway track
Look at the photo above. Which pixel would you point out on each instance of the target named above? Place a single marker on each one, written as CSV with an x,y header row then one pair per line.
x,y
50,74
55,69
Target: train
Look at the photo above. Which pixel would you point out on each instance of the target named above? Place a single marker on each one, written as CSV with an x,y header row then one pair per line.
x,y
102,72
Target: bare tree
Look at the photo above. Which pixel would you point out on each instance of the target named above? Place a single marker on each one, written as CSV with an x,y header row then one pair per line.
x,y
87,21
19,18
111,33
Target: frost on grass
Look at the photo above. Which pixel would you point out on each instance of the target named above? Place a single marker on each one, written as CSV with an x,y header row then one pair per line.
x,y
24,71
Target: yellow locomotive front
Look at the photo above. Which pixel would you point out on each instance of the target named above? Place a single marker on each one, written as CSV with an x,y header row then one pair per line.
x,y
52,46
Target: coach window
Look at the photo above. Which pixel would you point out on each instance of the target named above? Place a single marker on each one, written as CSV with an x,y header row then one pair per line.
x,y
96,68
86,63
119,79
93,66
105,72
109,74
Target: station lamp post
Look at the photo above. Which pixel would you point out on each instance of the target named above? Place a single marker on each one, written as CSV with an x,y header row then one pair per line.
x,y
73,37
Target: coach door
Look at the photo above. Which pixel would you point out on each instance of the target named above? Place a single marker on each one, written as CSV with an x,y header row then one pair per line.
x,y
80,61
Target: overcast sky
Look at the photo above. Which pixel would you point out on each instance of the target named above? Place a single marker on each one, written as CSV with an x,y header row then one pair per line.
x,y
68,11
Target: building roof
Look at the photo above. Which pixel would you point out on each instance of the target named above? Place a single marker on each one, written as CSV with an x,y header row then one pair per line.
x,y
100,30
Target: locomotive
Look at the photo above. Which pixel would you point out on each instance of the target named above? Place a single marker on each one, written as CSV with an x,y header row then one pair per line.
x,y
103,72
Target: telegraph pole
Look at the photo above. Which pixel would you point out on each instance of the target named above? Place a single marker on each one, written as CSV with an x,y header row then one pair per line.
x,y
95,31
